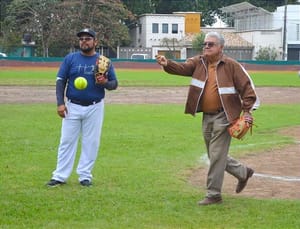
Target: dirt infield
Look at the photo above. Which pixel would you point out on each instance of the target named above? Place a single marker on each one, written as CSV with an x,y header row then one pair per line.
x,y
275,169
139,95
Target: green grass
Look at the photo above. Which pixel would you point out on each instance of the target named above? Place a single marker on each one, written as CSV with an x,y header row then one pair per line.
x,y
125,77
141,78
140,177
280,79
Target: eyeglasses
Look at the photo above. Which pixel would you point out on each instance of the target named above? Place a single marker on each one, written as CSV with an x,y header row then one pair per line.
x,y
209,44
86,38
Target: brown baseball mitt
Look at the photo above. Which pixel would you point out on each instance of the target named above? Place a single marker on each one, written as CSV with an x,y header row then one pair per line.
x,y
101,67
239,128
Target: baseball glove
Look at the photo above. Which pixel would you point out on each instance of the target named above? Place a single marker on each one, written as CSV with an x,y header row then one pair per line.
x,y
239,128
101,67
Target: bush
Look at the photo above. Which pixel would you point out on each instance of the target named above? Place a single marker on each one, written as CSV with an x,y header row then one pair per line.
x,y
266,53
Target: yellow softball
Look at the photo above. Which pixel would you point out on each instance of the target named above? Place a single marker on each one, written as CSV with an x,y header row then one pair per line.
x,y
80,83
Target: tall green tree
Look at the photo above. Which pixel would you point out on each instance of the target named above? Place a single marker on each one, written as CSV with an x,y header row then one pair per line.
x,y
54,22
38,18
3,9
106,17
170,6
138,7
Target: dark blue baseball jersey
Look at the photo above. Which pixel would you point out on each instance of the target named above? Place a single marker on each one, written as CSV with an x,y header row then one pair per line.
x,y
74,65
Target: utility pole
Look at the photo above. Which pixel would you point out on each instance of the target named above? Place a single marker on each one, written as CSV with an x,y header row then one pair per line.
x,y
284,54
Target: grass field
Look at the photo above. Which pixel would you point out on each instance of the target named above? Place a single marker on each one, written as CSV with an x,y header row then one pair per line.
x,y
141,173
141,78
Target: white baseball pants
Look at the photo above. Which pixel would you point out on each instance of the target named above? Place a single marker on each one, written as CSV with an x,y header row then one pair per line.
x,y
84,121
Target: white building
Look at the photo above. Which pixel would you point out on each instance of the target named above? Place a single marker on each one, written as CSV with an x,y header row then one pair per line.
x,y
154,28
161,34
292,22
265,29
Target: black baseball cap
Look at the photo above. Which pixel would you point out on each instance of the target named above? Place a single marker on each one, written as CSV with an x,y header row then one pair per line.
x,y
87,31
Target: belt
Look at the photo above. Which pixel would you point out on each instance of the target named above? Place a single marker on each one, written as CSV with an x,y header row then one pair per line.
x,y
215,112
84,103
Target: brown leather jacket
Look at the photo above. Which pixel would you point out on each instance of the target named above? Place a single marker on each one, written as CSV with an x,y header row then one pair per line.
x,y
235,86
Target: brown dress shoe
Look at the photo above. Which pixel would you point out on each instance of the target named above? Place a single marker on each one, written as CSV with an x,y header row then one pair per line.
x,y
242,183
210,200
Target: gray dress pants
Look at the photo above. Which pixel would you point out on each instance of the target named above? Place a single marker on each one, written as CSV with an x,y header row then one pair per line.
x,y
217,140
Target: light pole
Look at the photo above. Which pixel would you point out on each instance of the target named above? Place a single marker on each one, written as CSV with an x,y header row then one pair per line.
x,y
284,32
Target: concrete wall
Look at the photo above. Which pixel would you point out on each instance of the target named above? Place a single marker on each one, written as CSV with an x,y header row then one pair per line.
x,y
264,38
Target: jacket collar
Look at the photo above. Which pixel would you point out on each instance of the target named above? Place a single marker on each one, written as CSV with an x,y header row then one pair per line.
x,y
223,58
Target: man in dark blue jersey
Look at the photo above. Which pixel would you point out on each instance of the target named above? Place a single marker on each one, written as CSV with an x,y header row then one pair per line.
x,y
81,110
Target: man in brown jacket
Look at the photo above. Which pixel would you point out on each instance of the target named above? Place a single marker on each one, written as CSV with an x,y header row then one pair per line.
x,y
222,90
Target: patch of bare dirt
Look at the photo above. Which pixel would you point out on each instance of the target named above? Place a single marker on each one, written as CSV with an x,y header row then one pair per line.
x,y
277,173
140,95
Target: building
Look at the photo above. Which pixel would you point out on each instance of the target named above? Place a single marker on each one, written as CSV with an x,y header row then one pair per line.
x,y
278,30
253,28
172,34
289,18
162,34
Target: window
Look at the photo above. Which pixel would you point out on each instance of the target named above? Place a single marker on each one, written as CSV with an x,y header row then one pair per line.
x,y
297,32
174,28
165,28
154,27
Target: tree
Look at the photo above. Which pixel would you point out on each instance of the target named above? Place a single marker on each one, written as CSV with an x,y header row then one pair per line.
x,y
170,6
198,40
53,22
138,7
38,18
171,44
107,17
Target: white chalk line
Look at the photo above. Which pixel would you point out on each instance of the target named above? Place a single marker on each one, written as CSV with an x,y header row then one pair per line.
x,y
262,143
281,178
205,159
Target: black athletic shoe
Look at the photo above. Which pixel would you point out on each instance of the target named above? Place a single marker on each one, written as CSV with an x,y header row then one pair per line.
x,y
86,183
55,183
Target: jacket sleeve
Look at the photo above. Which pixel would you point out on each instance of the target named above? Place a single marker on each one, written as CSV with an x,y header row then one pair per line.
x,y
184,69
246,89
